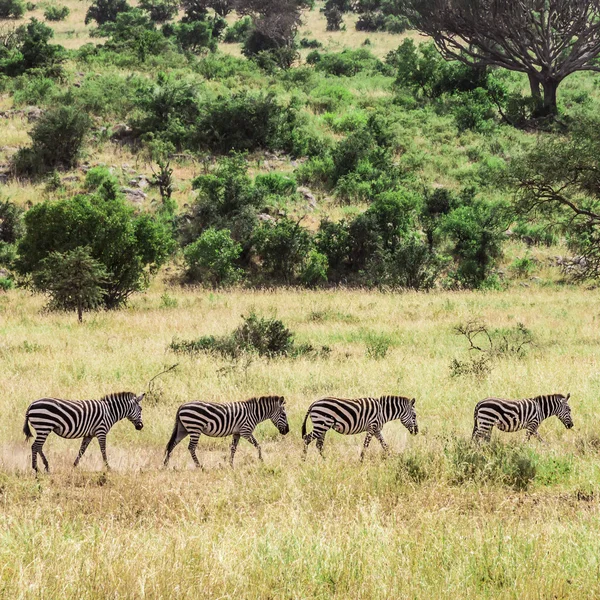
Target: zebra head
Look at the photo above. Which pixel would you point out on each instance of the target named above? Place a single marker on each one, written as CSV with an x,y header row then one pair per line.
x,y
563,412
408,416
278,416
134,410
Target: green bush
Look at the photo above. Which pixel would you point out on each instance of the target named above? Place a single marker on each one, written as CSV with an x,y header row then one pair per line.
x,y
56,12
14,9
11,222
57,140
211,258
105,11
257,335
377,345
238,32
275,184
315,269
34,90
160,10
6,284
130,247
195,36
283,248
28,48
346,63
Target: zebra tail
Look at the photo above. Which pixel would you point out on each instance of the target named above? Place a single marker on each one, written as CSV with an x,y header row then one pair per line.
x,y
173,435
26,430
304,423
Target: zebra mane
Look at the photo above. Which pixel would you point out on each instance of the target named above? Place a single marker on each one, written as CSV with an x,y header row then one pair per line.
x,y
389,398
560,397
264,399
118,396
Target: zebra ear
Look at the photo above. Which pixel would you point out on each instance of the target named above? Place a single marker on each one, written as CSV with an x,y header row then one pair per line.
x,y
568,396
140,398
412,402
282,400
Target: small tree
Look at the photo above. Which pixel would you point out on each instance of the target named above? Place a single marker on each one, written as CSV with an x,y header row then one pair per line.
x,y
211,258
105,11
57,139
160,10
11,9
73,280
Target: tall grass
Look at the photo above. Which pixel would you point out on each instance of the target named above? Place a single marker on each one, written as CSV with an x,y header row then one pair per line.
x,y
439,518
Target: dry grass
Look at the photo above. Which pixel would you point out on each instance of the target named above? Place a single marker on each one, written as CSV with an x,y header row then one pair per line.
x,y
332,529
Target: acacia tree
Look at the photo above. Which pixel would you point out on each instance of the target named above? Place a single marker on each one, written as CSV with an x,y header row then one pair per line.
x,y
545,39
558,184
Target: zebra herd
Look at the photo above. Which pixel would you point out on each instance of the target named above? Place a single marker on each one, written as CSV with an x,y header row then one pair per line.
x,y
93,418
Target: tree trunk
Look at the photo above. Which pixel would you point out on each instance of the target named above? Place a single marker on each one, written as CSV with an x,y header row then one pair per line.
x,y
550,86
80,311
534,84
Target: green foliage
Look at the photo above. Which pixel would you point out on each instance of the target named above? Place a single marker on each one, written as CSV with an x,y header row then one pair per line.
x,y
267,337
131,248
6,284
315,269
476,231
57,139
238,32
14,9
283,247
29,48
275,184
56,12
106,11
523,266
211,258
33,90
496,463
11,222
160,10
346,63
74,280
377,346
423,71
195,36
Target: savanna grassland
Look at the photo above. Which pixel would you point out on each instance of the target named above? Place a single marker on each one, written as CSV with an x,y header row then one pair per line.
x,y
370,195
426,522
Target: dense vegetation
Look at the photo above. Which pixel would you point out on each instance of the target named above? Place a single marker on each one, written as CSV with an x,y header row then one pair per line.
x,y
320,167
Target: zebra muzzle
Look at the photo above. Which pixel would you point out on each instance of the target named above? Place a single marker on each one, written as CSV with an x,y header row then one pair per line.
x,y
139,426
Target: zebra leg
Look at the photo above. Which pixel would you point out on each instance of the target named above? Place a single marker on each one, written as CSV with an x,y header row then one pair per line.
x,y
320,442
365,445
533,432
102,442
194,437
234,444
379,437
255,443
84,444
36,448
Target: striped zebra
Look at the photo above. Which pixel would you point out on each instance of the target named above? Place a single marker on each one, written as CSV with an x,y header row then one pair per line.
x,y
513,415
79,418
357,416
238,419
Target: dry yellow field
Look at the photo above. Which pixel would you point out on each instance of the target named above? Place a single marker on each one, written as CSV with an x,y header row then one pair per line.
x,y
406,527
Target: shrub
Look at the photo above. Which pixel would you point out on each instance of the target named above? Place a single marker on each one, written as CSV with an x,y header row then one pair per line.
x,y
57,140
33,91
211,258
106,11
333,241
195,36
283,247
346,63
14,9
29,48
74,280
257,335
275,184
11,222
56,12
160,10
315,269
6,284
131,248
238,32
377,346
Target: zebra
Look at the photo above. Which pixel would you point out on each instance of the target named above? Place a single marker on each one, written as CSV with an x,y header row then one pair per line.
x,y
513,415
357,416
238,419
79,418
